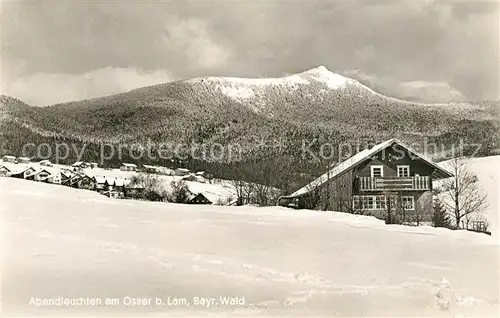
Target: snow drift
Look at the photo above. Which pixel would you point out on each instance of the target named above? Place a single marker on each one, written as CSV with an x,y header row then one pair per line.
x,y
64,242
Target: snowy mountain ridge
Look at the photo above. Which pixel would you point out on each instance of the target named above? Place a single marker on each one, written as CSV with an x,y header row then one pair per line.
x,y
241,89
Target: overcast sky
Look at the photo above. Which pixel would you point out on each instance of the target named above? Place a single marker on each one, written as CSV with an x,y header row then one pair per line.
x,y
56,51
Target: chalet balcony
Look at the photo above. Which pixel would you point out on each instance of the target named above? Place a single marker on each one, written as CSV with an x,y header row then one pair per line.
x,y
420,183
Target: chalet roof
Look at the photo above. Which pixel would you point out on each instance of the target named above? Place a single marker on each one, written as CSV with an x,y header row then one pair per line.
x,y
362,156
23,158
149,167
182,169
8,157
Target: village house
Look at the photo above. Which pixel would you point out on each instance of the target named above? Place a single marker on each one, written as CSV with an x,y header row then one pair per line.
x,y
38,175
100,184
197,199
128,167
10,159
45,163
133,191
387,176
80,181
54,178
150,169
166,171
65,176
94,165
23,160
81,164
114,194
22,173
4,171
45,175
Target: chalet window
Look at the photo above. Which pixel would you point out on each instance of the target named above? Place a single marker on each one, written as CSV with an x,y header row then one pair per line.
x,y
367,202
403,171
379,202
407,203
377,171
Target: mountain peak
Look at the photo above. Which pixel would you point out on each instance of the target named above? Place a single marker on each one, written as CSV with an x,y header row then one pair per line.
x,y
318,70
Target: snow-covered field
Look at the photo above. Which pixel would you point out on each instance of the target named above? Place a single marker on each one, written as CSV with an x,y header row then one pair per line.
x,y
64,242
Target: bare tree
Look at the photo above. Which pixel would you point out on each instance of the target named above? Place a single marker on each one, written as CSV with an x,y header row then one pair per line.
x,y
462,195
151,183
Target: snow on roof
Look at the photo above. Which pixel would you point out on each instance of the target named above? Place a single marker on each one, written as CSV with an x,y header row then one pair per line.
x,y
9,157
149,167
358,158
129,164
78,163
182,169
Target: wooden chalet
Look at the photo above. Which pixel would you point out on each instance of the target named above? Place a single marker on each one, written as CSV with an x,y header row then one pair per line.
x,y
197,199
390,174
